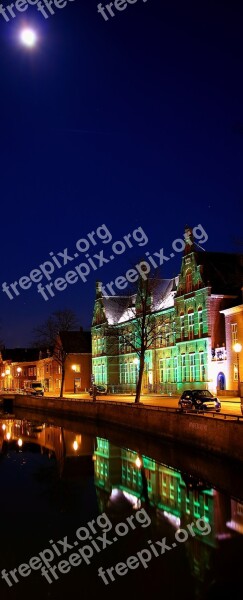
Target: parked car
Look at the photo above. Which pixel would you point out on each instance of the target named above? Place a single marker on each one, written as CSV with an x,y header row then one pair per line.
x,y
34,388
199,400
99,389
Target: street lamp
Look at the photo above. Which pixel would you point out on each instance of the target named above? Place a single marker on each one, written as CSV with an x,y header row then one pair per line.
x,y
19,370
237,348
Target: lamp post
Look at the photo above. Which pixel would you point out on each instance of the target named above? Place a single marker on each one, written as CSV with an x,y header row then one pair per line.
x,y
237,348
19,370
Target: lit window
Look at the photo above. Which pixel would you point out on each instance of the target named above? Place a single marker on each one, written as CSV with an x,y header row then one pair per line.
x,y
201,367
190,325
183,367
175,368
168,370
162,370
234,333
192,364
188,282
182,321
200,322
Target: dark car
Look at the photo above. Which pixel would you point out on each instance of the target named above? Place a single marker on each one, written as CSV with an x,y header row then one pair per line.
x,y
99,389
199,400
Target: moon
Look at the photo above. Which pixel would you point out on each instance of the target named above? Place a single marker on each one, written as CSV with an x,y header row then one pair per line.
x,y
28,37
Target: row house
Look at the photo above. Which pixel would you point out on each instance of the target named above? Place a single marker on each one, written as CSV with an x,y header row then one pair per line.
x,y
188,310
17,366
234,342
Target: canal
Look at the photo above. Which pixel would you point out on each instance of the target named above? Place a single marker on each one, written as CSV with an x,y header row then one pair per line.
x,y
89,510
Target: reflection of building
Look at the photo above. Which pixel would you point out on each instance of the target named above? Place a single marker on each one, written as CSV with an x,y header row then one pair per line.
x,y
178,498
64,445
236,521
189,349
182,501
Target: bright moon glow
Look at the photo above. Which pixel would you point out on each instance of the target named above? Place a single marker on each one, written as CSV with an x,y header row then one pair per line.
x,y
28,37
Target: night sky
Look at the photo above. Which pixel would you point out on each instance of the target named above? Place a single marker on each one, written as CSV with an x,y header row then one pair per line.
x,y
134,121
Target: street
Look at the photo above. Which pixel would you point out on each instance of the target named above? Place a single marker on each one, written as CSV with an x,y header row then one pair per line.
x,y
230,406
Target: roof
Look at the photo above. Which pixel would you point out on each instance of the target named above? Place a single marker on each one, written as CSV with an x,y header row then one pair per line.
x,y
76,342
119,309
223,272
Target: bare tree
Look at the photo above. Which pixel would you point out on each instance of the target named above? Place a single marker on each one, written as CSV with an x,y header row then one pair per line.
x,y
142,327
48,335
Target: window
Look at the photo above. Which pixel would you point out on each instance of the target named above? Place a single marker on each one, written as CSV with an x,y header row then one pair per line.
x,y
182,324
160,336
167,338
192,364
188,281
183,367
100,345
168,370
162,370
133,372
234,333
175,368
99,373
124,375
235,367
201,367
200,322
121,344
190,325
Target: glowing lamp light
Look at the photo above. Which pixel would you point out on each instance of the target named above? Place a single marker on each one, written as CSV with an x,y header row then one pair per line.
x,y
7,371
138,462
19,369
8,436
3,374
74,367
237,348
20,443
28,37
3,426
75,445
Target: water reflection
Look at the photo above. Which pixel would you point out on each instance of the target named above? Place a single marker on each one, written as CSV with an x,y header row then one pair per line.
x,y
124,480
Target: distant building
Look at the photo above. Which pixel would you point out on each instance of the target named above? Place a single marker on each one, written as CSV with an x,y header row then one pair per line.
x,y
17,366
191,352
234,335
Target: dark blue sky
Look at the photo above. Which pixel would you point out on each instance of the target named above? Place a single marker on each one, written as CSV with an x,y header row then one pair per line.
x,y
132,122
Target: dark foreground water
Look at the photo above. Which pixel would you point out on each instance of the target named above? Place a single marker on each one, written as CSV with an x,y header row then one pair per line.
x,y
171,524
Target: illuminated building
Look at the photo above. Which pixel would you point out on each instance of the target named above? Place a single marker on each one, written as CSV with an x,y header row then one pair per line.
x,y
191,351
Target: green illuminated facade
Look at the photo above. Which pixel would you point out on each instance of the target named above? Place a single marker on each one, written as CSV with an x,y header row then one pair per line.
x,y
190,353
